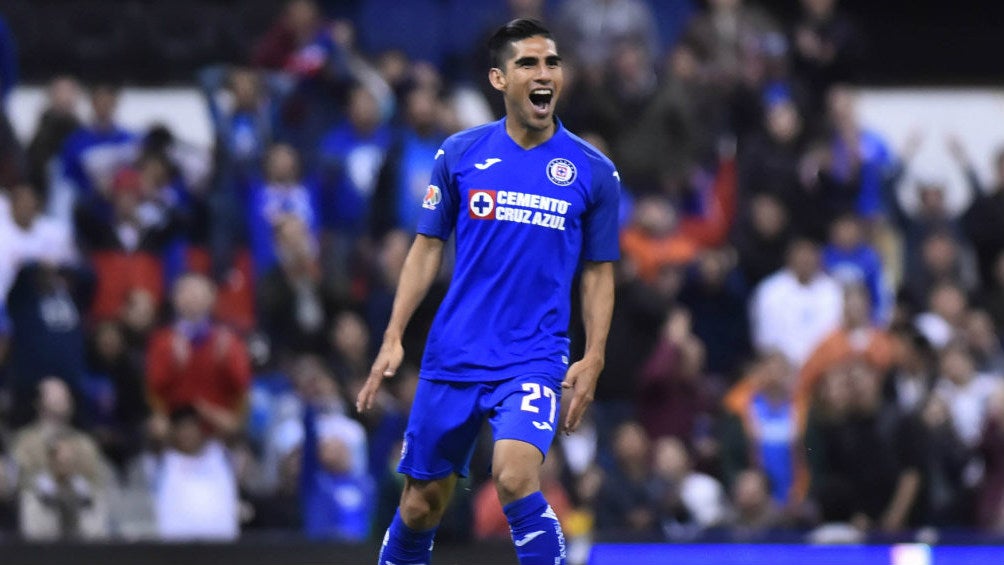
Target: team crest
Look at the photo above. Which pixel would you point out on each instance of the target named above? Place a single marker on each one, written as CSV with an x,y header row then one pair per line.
x,y
432,197
481,204
561,172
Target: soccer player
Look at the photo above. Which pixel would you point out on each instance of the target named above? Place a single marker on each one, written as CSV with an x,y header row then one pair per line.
x,y
530,204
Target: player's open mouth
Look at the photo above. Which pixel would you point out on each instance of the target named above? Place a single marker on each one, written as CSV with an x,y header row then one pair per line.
x,y
541,100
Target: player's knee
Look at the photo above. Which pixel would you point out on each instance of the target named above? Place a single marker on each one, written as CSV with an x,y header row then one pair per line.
x,y
422,508
513,484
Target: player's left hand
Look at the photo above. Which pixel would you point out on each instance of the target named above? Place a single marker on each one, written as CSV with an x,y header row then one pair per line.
x,y
387,361
581,380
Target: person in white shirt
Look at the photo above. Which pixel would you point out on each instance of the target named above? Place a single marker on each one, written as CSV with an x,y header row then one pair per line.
x,y
26,236
195,494
796,307
965,391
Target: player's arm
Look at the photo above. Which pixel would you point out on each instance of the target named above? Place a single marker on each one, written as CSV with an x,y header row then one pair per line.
x,y
597,308
419,271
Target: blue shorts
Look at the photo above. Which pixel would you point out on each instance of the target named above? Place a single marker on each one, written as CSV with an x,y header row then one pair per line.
x,y
446,418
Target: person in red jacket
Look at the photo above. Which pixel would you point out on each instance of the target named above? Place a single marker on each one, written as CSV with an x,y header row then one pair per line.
x,y
197,363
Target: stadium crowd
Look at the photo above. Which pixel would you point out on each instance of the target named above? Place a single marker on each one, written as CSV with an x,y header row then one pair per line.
x,y
796,346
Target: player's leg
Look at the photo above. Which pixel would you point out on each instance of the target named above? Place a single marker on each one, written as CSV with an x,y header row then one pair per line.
x,y
442,428
409,538
524,422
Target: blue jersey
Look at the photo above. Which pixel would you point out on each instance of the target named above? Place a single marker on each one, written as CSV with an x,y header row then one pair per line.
x,y
524,219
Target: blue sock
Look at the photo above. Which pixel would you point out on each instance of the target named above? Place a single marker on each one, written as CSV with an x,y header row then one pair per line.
x,y
405,546
535,530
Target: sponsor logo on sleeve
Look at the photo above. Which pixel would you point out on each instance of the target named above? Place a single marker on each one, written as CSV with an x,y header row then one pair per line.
x,y
433,196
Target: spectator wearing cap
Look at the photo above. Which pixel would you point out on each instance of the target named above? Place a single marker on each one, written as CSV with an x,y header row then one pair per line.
x,y
124,238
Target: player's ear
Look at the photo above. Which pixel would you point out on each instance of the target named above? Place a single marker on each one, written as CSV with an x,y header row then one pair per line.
x,y
497,78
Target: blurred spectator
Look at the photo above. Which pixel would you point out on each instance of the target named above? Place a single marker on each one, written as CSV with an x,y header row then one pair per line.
x,y
338,503
851,167
281,194
351,156
990,505
8,62
761,429
914,371
716,296
828,48
294,308
57,122
948,469
590,29
982,220
198,364
945,317
647,122
195,493
32,446
991,296
943,260
985,343
61,503
770,158
652,241
126,245
623,507
640,311
795,308
857,340
62,476
314,384
685,499
407,168
115,393
762,238
931,217
674,396
298,25
243,106
851,260
754,511
350,348
725,38
46,308
26,236
885,492
964,391
93,142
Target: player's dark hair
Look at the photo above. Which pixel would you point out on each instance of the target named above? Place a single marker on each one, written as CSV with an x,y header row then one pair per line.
x,y
500,44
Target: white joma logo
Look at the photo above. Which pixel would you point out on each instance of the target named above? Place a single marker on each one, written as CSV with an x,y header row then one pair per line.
x,y
543,426
488,163
528,538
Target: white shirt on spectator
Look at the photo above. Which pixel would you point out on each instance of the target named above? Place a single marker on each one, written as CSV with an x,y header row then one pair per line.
x,y
195,496
45,240
967,404
792,317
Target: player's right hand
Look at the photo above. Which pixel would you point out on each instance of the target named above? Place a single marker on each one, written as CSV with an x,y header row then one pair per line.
x,y
386,364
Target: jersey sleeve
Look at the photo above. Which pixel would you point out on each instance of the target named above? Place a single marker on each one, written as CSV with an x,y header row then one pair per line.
x,y
600,226
439,206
